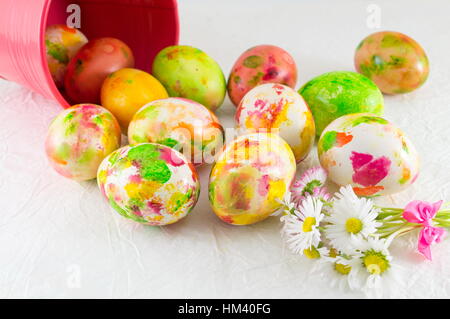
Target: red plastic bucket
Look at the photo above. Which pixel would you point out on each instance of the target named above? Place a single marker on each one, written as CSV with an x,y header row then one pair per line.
x,y
147,26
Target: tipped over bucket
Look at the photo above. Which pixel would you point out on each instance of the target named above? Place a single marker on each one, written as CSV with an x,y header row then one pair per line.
x,y
146,26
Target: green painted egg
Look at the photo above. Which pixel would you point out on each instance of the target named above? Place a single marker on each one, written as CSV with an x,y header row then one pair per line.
x,y
334,94
190,73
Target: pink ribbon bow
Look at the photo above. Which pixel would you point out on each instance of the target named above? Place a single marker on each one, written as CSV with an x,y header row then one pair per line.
x,y
420,212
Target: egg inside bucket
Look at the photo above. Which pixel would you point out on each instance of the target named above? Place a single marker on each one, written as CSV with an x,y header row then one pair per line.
x,y
369,153
149,183
250,177
62,43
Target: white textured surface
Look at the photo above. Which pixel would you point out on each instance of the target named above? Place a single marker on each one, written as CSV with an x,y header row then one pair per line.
x,y
60,239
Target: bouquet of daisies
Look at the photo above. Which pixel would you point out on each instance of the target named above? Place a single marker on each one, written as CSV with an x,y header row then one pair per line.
x,y
350,236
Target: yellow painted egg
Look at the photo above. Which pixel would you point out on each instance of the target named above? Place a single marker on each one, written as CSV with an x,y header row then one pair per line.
x,y
251,175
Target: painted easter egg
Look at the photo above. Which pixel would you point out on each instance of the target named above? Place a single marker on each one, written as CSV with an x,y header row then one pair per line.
x,y
79,138
188,72
250,177
394,61
149,183
92,64
369,153
334,94
125,91
258,65
61,44
185,125
277,108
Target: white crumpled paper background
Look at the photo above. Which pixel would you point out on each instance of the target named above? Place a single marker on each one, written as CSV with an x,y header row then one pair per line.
x,y
60,239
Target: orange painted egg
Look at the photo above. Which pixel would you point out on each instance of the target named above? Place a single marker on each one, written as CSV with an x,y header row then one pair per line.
x,y
125,91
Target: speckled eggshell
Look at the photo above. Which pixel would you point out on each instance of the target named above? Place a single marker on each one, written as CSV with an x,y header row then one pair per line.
x,y
79,138
62,43
92,64
179,123
251,174
369,153
258,65
394,61
279,109
190,73
334,94
125,91
149,183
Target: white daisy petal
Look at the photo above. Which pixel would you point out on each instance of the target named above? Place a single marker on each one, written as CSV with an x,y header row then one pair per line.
x,y
372,267
350,217
300,229
335,271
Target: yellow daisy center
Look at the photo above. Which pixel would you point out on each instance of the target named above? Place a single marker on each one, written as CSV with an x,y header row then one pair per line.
x,y
308,223
311,252
333,253
375,262
353,225
342,269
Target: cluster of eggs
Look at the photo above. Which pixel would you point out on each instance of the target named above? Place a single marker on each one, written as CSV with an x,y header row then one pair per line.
x,y
171,126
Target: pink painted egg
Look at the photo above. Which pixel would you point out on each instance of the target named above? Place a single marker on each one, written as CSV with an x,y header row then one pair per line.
x,y
277,108
258,65
79,138
369,153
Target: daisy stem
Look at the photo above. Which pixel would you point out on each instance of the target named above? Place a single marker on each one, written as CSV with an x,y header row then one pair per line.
x,y
441,222
404,230
385,214
390,209
399,231
389,224
443,214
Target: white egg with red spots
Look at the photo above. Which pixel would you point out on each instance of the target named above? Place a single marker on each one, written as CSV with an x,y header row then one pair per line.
x,y
279,109
369,153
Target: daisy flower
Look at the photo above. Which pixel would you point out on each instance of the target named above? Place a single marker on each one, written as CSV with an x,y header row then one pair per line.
x,y
350,217
319,252
311,179
335,270
301,227
371,265
287,205
322,194
348,193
